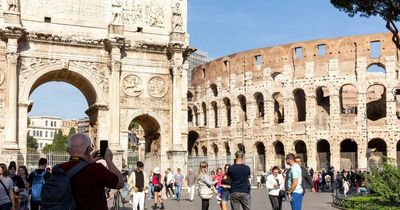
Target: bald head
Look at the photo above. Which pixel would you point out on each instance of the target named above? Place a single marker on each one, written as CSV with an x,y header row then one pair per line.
x,y
78,144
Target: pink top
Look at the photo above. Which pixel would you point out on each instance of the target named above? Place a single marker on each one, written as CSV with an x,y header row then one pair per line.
x,y
154,180
219,178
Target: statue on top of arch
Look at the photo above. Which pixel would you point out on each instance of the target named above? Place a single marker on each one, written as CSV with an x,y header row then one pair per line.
x,y
13,5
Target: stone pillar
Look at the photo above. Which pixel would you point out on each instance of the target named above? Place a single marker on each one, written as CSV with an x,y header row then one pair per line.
x,y
114,95
11,141
23,126
335,152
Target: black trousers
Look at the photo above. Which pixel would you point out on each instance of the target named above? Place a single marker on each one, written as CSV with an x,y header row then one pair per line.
x,y
35,205
276,202
170,187
205,203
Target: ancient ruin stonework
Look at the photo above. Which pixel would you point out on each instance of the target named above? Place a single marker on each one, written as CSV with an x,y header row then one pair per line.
x,y
125,56
331,101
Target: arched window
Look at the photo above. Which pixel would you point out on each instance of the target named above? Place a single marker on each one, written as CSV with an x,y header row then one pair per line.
x,y
243,108
259,98
300,105
348,99
215,110
279,108
204,107
376,102
214,89
227,103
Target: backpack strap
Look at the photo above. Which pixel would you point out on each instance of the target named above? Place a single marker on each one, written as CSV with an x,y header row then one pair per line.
x,y
78,167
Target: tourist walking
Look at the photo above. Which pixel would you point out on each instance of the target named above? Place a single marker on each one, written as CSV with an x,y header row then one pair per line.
x,y
178,180
36,180
156,181
225,186
6,189
206,185
295,191
239,174
190,182
151,187
169,183
137,182
275,186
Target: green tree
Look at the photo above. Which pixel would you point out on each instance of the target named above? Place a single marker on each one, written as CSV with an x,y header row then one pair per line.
x,y
389,10
72,131
60,142
385,181
48,148
133,125
32,143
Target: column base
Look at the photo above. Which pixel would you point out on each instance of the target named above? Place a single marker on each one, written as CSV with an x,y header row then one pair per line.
x,y
177,158
12,18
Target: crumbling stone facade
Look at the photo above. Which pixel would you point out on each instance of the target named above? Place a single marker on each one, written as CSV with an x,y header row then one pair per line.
x,y
331,101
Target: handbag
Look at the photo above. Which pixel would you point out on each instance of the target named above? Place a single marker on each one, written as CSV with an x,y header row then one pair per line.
x,y
205,192
282,193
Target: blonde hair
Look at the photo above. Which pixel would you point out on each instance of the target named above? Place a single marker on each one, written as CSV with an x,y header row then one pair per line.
x,y
202,172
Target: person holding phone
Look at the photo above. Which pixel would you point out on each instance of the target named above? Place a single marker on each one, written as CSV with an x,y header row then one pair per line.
x,y
88,185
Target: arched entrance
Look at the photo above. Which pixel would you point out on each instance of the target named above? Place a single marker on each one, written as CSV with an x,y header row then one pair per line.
x,y
300,105
227,149
398,153
348,154
377,148
260,160
215,150
204,150
241,147
83,81
149,133
279,154
301,151
192,138
323,155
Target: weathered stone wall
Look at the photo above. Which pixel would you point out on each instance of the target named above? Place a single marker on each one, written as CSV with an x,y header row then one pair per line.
x,y
308,93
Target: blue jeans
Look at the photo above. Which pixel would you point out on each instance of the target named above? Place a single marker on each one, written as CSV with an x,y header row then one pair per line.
x,y
6,206
178,190
151,191
297,200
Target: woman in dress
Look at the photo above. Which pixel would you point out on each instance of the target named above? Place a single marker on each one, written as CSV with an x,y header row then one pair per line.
x,y
275,184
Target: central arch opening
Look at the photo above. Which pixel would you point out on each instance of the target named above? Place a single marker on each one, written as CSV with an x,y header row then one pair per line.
x,y
301,151
324,155
279,154
348,154
260,161
192,138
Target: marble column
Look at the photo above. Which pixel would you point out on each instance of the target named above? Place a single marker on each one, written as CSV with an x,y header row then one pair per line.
x,y
114,112
11,141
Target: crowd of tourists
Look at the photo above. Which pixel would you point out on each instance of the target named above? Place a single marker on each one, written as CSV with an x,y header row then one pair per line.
x,y
83,183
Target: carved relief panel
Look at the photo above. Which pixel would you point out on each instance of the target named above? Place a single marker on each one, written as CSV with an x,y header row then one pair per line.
x,y
132,85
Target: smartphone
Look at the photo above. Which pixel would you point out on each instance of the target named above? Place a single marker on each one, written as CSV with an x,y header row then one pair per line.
x,y
103,147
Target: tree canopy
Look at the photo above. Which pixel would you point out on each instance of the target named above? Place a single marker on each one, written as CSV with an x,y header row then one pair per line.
x,y
389,10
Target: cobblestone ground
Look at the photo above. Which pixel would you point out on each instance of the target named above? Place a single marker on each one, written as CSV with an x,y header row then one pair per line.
x,y
312,201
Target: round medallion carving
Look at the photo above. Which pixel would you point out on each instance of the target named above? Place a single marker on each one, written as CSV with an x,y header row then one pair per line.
x,y
132,85
157,87
2,76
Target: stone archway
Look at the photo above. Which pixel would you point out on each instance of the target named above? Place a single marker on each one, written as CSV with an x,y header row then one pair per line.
x,y
377,148
301,151
76,76
192,138
323,155
260,160
279,154
149,132
348,154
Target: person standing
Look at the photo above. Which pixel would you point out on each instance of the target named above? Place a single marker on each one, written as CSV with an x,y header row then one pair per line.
x,y
36,180
205,185
306,180
18,184
295,191
190,182
151,187
346,183
239,174
169,183
24,194
6,189
275,184
156,181
137,183
178,180
225,186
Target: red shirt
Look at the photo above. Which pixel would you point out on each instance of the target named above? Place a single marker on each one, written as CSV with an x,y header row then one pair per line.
x,y
88,185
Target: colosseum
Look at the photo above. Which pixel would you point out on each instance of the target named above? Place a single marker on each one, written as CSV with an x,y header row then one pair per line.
x,y
333,102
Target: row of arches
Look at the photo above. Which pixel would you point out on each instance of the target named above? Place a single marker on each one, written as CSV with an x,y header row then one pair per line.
x,y
349,150
348,99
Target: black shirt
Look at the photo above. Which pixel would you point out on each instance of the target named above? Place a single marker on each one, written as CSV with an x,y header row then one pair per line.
x,y
18,181
139,180
239,174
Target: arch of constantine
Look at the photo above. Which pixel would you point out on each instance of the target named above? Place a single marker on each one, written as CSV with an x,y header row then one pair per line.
x,y
127,57
333,102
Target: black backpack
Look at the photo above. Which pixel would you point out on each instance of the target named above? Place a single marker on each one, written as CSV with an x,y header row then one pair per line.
x,y
57,193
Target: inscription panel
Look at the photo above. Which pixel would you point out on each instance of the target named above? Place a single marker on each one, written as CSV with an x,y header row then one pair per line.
x,y
75,10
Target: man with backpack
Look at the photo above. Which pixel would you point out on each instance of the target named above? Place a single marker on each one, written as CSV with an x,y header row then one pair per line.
x,y
36,180
80,183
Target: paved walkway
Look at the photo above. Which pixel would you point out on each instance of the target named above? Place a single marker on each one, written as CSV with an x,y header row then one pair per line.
x,y
312,201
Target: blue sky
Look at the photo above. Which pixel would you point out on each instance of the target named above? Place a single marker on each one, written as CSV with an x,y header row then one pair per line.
x,y
223,27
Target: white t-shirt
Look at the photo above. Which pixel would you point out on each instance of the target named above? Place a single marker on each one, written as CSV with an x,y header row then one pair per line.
x,y
271,181
170,178
8,182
